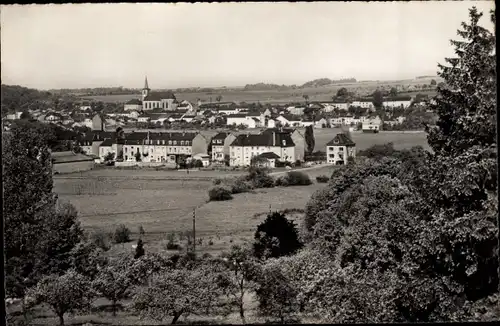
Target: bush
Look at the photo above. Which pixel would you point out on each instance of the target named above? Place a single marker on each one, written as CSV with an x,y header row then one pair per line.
x,y
259,178
322,179
281,181
122,234
101,239
219,193
239,185
294,178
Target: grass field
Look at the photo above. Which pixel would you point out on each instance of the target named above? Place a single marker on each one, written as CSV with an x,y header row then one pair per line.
x,y
324,93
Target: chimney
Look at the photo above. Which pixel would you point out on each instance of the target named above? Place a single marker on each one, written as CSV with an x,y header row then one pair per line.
x,y
274,139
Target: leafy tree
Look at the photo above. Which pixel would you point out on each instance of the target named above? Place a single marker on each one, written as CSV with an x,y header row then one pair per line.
x,y
109,157
276,295
467,105
122,234
66,293
115,280
393,92
38,234
309,137
180,292
25,115
306,98
275,237
342,92
141,231
139,250
244,270
138,156
378,99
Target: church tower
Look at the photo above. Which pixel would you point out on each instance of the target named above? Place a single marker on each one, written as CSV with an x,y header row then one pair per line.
x,y
145,90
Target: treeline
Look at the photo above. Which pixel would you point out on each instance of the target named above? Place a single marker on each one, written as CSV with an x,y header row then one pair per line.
x,y
313,83
18,98
96,91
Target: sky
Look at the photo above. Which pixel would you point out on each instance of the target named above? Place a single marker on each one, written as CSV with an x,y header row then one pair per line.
x,y
225,44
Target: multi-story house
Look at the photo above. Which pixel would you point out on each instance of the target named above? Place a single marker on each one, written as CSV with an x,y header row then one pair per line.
x,y
339,149
397,102
297,137
163,147
220,146
373,125
247,146
366,103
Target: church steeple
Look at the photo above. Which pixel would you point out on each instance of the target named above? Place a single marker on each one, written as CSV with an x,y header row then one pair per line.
x,y
145,90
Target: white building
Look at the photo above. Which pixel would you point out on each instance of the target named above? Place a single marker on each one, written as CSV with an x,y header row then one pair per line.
x,y
247,146
398,102
363,103
373,125
133,105
339,149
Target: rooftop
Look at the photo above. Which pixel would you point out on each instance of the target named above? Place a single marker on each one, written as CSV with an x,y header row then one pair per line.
x,y
341,139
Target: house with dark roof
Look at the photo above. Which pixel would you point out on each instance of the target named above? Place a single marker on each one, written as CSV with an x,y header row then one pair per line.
x,y
220,146
133,105
297,137
340,149
247,146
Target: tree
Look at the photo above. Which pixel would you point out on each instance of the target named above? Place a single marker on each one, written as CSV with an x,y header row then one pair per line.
x,y
138,156
25,115
109,157
275,237
38,234
179,292
277,298
115,280
66,293
122,234
378,99
467,105
309,137
306,98
342,92
433,82
393,92
139,250
244,270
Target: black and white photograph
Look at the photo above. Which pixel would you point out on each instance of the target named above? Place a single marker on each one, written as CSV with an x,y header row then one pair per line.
x,y
256,163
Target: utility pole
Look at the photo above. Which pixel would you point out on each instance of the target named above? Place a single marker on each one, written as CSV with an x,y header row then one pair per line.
x,y
194,231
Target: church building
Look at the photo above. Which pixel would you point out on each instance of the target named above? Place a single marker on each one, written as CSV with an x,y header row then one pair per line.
x,y
156,100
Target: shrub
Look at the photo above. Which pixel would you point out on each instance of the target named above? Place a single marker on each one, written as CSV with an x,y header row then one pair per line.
x,y
219,193
239,185
122,234
322,179
294,178
259,178
281,181
101,239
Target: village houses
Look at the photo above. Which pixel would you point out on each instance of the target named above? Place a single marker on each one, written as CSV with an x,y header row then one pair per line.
x,y
340,149
220,146
247,146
